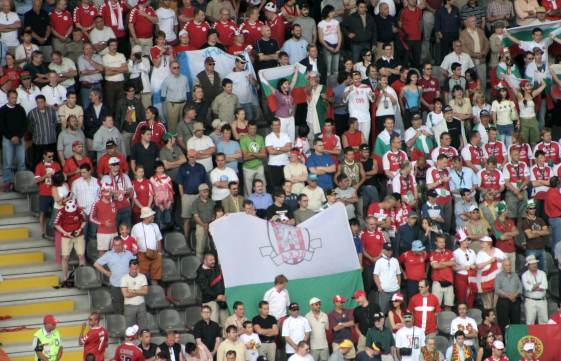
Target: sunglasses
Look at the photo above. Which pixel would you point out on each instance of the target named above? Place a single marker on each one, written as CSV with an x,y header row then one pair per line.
x,y
211,64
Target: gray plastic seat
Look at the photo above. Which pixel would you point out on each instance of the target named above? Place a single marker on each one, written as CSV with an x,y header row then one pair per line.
x,y
116,325
180,294
192,316
170,271
476,314
156,298
188,267
176,245
101,300
170,320
91,250
87,278
550,264
444,320
151,323
442,344
24,182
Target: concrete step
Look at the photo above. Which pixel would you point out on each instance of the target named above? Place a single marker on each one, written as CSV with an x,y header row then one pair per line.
x,y
37,269
25,336
29,282
70,354
36,321
37,308
25,245
19,201
7,210
81,298
27,258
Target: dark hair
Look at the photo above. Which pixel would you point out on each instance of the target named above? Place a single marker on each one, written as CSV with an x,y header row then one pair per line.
x,y
280,279
86,166
280,84
153,110
110,41
539,153
303,130
58,179
472,74
300,197
262,303
40,96
226,81
455,66
190,347
326,10
410,75
144,130
12,91
158,163
536,30
231,328
220,154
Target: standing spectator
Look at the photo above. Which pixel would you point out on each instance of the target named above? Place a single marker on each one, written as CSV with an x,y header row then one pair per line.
x,y
153,123
170,347
465,324
206,331
296,46
84,15
128,113
278,298
145,153
105,133
149,239
121,191
243,83
27,92
38,22
70,221
104,216
253,150
62,23
113,13
209,80
276,22
171,155
90,67
266,327
267,50
13,125
307,23
47,342
535,286
117,261
443,264
411,24
190,176
142,19
446,26
331,38
202,209
225,104
237,318
70,107
360,28
364,315
322,165
86,190
319,324
295,329
96,340
10,23
358,97
103,166
414,264
174,91
508,289
409,338
38,69
44,172
162,186
341,324
42,126
100,36
220,178
115,66
278,145
66,69
203,145
54,92
387,276
489,261
425,306
139,76
459,348
210,281
489,325
231,346
143,193
476,44
134,287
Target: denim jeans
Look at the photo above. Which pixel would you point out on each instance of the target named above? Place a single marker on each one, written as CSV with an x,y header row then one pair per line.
x,y
369,194
555,224
9,152
249,113
540,255
163,218
356,49
505,133
331,61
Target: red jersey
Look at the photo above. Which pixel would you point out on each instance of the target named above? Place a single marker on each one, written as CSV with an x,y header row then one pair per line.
x,y
277,29
551,151
41,170
251,32
198,33
431,87
225,32
516,173
105,11
474,154
104,214
70,222
71,165
442,274
505,245
103,164
490,179
424,309
496,150
414,264
142,191
372,243
433,176
189,12
450,152
181,48
128,352
236,49
14,75
392,161
61,21
95,342
85,15
538,173
411,21
502,358
129,244
158,131
354,140
555,319
143,27
524,151
550,5
374,209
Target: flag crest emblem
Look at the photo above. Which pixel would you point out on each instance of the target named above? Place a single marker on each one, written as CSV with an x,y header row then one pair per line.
x,y
288,244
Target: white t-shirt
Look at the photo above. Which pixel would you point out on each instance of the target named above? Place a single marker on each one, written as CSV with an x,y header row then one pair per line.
x,y
220,175
199,144
251,354
146,235
9,38
295,328
464,259
134,284
54,95
297,357
278,302
242,87
385,105
410,337
271,140
359,99
387,270
98,36
462,324
25,54
330,29
167,20
114,61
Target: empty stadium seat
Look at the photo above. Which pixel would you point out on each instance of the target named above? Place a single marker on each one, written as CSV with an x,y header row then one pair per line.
x,y
176,245
442,344
188,267
101,300
192,316
151,323
476,314
156,298
116,325
169,320
91,250
443,321
170,271
180,294
550,264
24,183
87,278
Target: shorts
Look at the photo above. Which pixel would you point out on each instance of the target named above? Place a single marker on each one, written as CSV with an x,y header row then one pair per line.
x,y
78,243
445,294
187,205
104,241
46,204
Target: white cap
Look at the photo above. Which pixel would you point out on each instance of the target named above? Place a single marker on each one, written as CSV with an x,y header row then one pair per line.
x,y
314,300
131,331
271,7
114,160
499,345
529,346
472,208
485,239
183,32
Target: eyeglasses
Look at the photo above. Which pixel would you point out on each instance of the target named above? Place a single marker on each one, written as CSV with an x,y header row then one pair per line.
x,y
175,67
212,64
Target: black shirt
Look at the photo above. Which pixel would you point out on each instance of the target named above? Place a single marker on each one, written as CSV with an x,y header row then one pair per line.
x,y
266,47
283,212
368,165
13,121
266,324
363,356
151,352
36,69
38,23
166,350
392,63
145,156
384,28
364,316
455,130
207,332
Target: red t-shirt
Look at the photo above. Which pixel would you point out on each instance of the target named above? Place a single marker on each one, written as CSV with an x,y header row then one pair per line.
x,y
72,164
251,32
430,87
414,265
424,309
188,12
105,11
61,21
372,243
13,74
236,49
142,26
158,131
442,274
85,15
225,32
142,191
181,48
41,170
104,214
128,352
411,23
278,29
95,342
198,33
505,245
70,222
129,244
103,164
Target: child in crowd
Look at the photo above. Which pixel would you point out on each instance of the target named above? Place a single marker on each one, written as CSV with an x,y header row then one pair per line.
x,y
251,341
163,195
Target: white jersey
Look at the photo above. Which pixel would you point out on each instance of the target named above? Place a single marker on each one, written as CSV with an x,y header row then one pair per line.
x,y
359,99
413,338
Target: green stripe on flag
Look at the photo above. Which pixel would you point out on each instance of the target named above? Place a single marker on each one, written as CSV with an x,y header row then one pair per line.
x,y
300,291
300,82
524,33
546,340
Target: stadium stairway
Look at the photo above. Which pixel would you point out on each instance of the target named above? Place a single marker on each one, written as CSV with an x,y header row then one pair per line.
x,y
29,274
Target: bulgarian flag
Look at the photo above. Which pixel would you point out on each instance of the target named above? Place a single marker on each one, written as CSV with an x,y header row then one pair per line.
x,y
273,75
546,339
318,257
524,33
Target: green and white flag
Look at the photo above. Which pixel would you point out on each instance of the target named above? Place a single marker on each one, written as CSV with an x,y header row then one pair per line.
x,y
274,75
524,33
318,257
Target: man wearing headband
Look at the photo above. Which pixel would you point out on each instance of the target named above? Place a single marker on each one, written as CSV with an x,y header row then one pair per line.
x,y
409,339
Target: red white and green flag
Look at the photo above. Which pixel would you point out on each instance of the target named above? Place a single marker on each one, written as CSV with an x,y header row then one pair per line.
x,y
524,33
274,75
546,339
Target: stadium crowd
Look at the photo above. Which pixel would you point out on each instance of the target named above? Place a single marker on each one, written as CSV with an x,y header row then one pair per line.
x,y
451,180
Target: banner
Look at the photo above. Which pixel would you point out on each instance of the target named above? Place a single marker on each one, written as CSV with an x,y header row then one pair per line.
x,y
546,339
192,63
524,33
318,257
272,77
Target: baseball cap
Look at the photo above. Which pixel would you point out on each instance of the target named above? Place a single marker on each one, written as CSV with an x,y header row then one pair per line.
x,y
529,346
412,214
293,306
432,193
486,239
110,143
241,59
346,343
472,208
114,161
484,113
314,300
501,207
271,7
499,345
358,294
49,319
77,143
397,297
312,177
131,331
209,60
447,109
531,259
388,246
136,49
203,186
339,298
198,126
378,316
168,136
531,203
363,146
183,32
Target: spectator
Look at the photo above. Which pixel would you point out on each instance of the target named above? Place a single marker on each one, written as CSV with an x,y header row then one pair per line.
x,y
171,348
96,340
70,108
145,153
117,261
388,282
128,112
86,190
231,346
149,239
27,92
459,347
206,331
466,325
266,327
106,132
148,348
296,46
203,145
190,176
13,124
425,306
202,210
442,263
174,92
508,289
358,97
260,198
535,286
295,330
48,336
162,186
489,326
409,337
134,287
411,24
115,66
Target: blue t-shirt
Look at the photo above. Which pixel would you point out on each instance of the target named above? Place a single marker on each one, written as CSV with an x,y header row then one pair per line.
x,y
190,177
325,181
358,244
229,149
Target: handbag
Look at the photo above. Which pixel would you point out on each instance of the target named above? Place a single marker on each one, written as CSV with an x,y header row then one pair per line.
x,y
407,351
151,254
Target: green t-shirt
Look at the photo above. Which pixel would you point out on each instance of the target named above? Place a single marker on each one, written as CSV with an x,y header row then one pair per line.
x,y
253,146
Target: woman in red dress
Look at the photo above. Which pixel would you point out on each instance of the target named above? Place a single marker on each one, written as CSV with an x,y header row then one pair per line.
x,y
396,312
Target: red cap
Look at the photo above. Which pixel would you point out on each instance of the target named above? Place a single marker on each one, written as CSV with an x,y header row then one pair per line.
x,y
49,319
76,143
358,294
142,1
339,298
